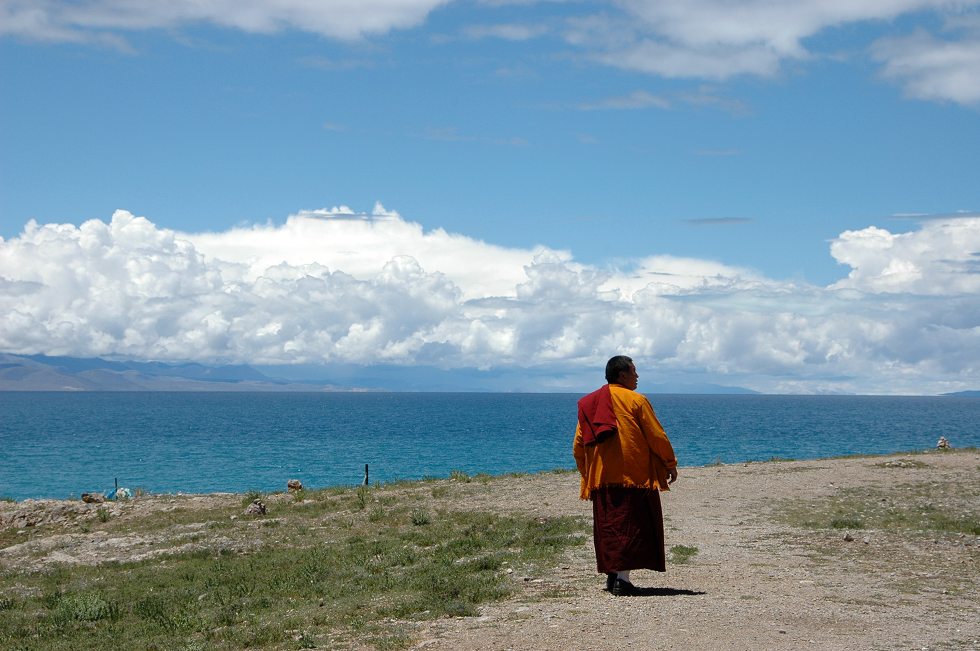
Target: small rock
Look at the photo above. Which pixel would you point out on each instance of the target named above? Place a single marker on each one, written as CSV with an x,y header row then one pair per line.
x,y
294,485
255,508
867,540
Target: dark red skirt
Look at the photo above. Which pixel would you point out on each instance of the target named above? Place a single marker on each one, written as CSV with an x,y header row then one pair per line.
x,y
628,527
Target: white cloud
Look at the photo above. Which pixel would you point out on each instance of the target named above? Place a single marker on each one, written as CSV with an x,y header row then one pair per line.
x,y
934,69
360,245
507,32
698,39
98,20
719,39
337,286
940,259
639,99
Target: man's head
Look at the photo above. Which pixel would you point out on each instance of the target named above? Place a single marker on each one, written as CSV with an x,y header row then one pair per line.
x,y
620,370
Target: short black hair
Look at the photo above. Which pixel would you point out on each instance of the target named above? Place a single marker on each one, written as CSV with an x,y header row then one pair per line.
x,y
617,365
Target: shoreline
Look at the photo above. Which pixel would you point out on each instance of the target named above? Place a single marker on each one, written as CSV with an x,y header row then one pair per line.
x,y
140,493
865,551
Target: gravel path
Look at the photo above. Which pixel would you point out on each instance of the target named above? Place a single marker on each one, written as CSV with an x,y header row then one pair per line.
x,y
756,582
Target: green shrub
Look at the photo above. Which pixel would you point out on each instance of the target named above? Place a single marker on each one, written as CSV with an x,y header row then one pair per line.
x,y
85,607
362,497
682,553
420,517
459,475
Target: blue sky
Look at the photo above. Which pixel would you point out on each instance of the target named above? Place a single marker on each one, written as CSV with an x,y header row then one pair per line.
x,y
729,148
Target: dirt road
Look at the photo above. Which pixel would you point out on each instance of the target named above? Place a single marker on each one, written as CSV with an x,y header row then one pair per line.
x,y
759,580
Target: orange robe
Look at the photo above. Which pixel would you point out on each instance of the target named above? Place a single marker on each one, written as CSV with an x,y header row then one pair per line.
x,y
639,456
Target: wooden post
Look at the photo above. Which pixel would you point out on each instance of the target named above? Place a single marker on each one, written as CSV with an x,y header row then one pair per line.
x,y
366,481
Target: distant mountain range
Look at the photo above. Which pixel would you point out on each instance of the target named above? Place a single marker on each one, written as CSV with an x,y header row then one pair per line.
x,y
964,394
44,373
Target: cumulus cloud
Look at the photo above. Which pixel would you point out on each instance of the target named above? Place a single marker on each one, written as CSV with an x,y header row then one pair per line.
x,y
101,20
361,244
940,259
336,286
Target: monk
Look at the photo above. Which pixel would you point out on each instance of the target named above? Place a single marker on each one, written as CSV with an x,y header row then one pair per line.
x,y
625,460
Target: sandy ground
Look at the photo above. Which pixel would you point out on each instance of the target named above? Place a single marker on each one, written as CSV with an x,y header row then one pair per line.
x,y
758,581
755,583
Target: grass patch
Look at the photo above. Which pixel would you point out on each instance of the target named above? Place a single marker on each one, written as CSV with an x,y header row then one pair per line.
x,y
460,476
931,507
361,497
360,565
681,554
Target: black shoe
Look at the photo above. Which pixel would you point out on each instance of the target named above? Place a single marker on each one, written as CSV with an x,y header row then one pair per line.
x,y
610,581
622,588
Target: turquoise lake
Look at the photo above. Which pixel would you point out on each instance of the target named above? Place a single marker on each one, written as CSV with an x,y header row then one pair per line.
x,y
62,444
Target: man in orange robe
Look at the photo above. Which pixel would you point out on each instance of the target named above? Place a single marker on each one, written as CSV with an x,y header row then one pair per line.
x,y
624,466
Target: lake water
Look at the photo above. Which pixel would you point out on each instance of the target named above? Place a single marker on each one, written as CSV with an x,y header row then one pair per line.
x,y
62,444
